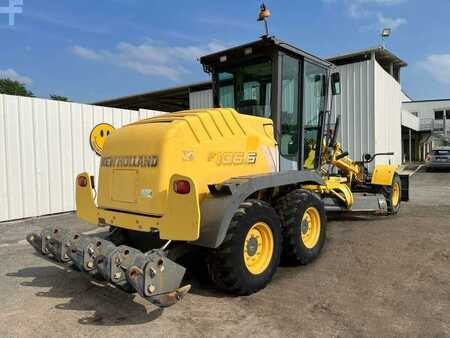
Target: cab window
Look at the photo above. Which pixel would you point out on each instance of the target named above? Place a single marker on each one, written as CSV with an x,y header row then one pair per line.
x,y
289,140
315,78
247,88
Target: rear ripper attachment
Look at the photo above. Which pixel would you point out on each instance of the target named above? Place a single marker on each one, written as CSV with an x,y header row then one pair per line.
x,y
152,275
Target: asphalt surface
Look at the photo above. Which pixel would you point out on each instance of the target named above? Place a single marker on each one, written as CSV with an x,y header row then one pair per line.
x,y
377,276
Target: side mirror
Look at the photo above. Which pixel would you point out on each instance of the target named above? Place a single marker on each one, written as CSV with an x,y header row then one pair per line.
x,y
367,157
335,84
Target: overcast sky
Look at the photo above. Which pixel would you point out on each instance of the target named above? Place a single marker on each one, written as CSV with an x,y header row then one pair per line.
x,y
93,50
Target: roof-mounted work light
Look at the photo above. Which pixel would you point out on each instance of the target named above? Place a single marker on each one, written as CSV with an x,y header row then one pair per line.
x,y
264,13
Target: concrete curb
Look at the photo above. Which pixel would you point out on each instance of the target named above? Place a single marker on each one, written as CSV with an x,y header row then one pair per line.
x,y
411,172
418,168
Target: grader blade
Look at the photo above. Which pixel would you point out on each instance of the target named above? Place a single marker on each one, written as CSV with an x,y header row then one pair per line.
x,y
152,275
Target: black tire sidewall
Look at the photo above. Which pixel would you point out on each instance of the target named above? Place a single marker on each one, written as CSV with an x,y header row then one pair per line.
x,y
388,194
302,250
255,214
294,250
226,265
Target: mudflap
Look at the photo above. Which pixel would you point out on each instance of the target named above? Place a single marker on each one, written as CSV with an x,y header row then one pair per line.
x,y
152,275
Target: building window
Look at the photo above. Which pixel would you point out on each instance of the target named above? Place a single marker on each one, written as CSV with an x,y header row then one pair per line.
x,y
439,115
447,114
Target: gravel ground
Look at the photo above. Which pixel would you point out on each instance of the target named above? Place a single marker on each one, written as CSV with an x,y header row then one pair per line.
x,y
377,277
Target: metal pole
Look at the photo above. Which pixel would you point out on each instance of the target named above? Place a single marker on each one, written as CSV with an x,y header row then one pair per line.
x,y
410,147
444,118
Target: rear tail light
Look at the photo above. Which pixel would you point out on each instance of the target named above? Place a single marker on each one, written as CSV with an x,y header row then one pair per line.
x,y
182,187
82,181
428,158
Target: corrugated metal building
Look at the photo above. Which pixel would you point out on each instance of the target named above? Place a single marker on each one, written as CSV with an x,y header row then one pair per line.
x,y
433,119
370,103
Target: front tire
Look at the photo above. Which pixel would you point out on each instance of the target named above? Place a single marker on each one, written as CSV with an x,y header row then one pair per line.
x,y
303,222
248,257
393,194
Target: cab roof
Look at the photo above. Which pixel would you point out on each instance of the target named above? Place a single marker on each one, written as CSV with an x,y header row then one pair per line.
x,y
264,44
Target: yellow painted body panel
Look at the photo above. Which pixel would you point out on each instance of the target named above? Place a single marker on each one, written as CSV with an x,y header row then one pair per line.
x,y
182,218
336,186
86,208
309,162
383,174
88,211
204,146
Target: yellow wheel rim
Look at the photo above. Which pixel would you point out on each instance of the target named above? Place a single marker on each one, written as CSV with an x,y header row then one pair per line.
x,y
310,227
395,194
258,248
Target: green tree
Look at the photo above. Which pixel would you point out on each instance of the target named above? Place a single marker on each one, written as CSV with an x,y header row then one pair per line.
x,y
58,98
13,87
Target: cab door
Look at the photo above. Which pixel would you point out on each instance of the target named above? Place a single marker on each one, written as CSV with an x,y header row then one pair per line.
x,y
290,113
303,89
315,80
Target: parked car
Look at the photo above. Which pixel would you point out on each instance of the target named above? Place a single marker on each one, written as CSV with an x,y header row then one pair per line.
x,y
438,158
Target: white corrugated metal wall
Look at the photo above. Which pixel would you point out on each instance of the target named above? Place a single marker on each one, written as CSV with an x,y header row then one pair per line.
x,y
356,107
44,144
388,116
201,99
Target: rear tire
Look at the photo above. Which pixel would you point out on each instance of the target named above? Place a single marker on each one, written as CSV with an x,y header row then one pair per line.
x,y
393,194
303,222
248,257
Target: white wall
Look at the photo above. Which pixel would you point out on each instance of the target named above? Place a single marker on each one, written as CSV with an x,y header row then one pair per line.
x,y
388,118
44,144
201,99
405,98
425,111
147,113
410,121
356,107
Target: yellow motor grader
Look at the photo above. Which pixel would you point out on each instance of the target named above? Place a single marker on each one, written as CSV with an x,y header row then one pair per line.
x,y
250,180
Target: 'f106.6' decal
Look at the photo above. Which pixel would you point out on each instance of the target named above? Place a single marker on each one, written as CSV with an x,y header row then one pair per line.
x,y
223,158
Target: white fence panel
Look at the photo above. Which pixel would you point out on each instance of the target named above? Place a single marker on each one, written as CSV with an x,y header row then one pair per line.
x,y
147,113
44,144
4,191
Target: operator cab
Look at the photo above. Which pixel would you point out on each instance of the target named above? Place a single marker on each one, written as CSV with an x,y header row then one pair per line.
x,y
272,79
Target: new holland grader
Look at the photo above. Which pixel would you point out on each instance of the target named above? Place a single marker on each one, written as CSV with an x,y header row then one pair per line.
x,y
250,180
